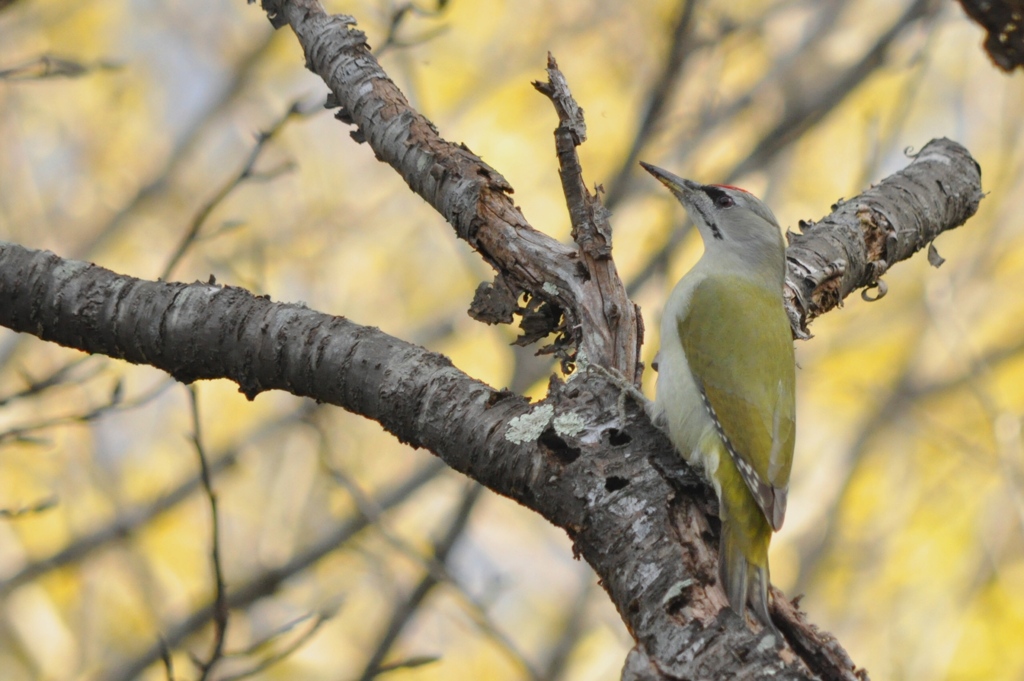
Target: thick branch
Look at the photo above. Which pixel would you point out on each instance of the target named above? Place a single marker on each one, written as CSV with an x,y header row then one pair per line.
x,y
471,195
862,238
579,458
202,331
583,459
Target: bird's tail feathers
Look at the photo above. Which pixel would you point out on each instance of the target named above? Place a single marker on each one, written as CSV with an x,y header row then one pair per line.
x,y
744,578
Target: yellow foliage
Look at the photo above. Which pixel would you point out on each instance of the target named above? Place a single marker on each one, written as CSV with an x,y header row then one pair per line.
x,y
906,525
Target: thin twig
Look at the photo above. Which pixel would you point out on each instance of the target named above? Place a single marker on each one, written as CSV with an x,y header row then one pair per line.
x,y
802,118
572,629
438,570
167,658
280,655
398,18
220,604
52,66
658,99
246,172
405,610
903,395
242,72
267,582
408,663
31,509
114,404
59,376
131,520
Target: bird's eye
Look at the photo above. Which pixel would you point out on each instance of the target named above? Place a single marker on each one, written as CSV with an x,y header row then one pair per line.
x,y
725,201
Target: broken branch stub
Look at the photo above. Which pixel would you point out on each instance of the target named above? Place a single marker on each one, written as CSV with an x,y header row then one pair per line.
x,y
595,317
864,236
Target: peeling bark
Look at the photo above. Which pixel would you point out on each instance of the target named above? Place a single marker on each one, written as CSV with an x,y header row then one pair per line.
x,y
852,247
587,458
578,294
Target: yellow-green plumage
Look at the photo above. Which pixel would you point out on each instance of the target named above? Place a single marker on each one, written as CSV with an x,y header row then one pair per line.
x,y
743,364
726,376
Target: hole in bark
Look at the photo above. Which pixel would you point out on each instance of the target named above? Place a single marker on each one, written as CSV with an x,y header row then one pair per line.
x,y
559,447
613,483
617,438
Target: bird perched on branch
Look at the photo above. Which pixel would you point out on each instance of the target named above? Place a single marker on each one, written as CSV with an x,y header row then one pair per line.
x,y
726,376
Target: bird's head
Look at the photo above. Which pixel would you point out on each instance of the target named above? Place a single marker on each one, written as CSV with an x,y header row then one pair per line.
x,y
727,217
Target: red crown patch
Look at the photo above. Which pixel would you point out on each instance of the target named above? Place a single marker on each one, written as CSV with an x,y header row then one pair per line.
x,y
729,186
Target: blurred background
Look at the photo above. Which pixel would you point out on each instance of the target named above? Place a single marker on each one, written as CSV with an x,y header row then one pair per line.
x,y
155,139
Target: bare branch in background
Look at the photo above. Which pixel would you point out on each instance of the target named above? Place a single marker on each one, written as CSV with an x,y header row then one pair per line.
x,y
404,611
52,66
573,626
658,99
59,376
114,403
586,458
805,114
220,601
223,100
246,172
315,622
261,585
32,509
130,520
399,17
435,568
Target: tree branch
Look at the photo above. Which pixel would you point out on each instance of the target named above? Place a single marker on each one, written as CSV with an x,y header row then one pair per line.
x,y
852,247
806,113
586,458
657,100
203,331
129,520
268,582
581,458
598,322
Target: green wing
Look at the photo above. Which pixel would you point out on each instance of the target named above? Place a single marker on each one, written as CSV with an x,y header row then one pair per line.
x,y
742,360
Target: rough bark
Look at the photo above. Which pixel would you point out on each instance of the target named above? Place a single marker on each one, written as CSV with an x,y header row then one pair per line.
x,y
857,243
574,290
586,458
204,331
582,459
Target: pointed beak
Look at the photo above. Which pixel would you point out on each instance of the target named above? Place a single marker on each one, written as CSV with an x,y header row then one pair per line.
x,y
677,185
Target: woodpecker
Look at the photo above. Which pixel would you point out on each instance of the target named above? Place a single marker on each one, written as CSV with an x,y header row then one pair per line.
x,y
726,377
